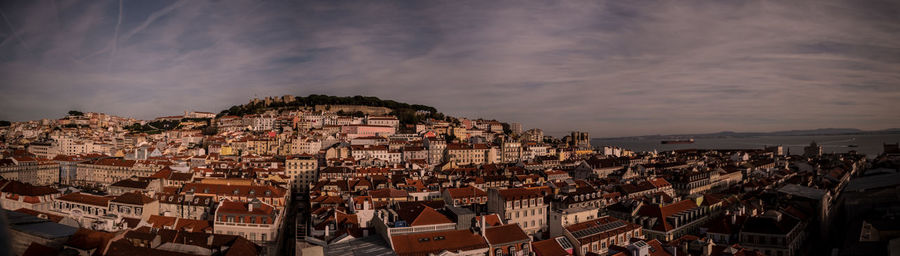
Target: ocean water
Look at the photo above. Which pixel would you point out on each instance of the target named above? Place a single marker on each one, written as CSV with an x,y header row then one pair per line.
x,y
871,145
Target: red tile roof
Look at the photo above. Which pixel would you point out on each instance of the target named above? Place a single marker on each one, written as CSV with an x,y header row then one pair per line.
x,y
466,192
78,197
549,247
505,234
135,198
660,213
25,189
519,193
436,242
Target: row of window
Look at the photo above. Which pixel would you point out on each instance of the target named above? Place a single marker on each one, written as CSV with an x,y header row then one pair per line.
x,y
525,213
524,203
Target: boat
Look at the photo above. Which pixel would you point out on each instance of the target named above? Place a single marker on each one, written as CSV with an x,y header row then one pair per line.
x,y
688,141
852,146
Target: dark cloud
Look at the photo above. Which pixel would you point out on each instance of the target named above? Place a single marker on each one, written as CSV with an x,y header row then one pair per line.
x,y
609,67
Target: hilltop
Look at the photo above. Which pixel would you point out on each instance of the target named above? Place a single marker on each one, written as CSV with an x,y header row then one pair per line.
x,y
405,112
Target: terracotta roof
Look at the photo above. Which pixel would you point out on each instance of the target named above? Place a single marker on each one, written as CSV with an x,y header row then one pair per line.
x,y
549,247
466,192
78,197
519,193
162,173
660,213
388,193
135,198
436,242
193,225
660,182
492,219
505,234
234,207
418,214
602,226
25,189
132,183
157,221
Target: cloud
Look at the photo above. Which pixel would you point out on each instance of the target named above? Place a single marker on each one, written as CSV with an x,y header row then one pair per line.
x,y
609,67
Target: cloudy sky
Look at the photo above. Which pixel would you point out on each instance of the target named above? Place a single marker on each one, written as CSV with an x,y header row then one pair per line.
x,y
613,68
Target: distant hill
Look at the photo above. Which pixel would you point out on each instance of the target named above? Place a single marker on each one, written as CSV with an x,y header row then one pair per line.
x,y
407,113
731,134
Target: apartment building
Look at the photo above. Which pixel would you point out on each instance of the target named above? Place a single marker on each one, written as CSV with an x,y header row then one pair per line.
x,y
16,195
106,171
522,206
596,236
255,220
30,170
302,171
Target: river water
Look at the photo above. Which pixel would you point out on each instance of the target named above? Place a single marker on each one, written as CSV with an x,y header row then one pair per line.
x,y
871,144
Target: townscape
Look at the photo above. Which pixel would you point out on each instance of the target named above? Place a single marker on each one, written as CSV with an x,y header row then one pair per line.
x,y
324,175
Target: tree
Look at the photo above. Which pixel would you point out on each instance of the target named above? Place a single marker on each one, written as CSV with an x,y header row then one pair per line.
x,y
4,123
75,113
450,137
209,130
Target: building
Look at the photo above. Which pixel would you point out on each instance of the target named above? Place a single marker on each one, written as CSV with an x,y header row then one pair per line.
x,y
106,171
134,205
449,242
302,171
507,239
89,211
466,154
525,207
357,130
435,149
30,170
668,222
579,140
813,150
383,121
15,195
185,206
256,221
510,152
464,196
516,128
272,195
774,233
596,236
561,218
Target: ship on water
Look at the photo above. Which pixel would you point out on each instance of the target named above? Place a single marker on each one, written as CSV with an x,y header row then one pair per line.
x,y
687,141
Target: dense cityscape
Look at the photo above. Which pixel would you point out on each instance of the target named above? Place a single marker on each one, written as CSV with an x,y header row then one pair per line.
x,y
324,175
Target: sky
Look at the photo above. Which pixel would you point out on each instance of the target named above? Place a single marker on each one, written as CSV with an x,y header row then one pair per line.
x,y
612,68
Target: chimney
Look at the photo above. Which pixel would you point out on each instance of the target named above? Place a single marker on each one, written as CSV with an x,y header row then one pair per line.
x,y
483,224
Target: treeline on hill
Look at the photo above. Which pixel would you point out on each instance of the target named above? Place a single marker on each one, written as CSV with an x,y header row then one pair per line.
x,y
405,112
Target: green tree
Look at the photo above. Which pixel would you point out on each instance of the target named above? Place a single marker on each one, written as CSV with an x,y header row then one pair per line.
x,y
75,113
4,123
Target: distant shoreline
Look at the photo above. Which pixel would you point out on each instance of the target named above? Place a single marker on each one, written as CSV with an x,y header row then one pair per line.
x,y
720,135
